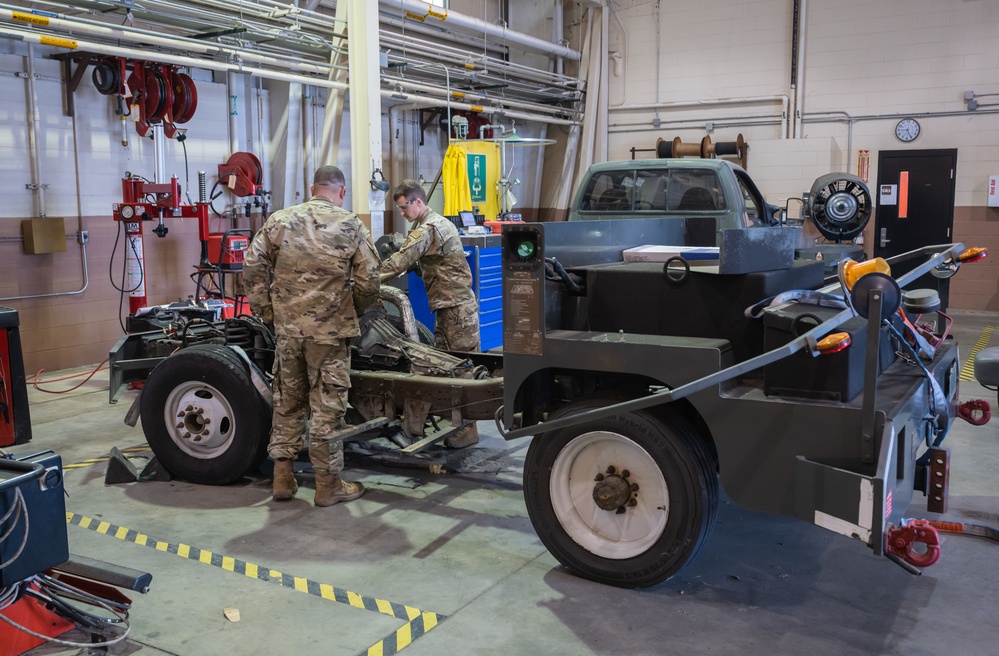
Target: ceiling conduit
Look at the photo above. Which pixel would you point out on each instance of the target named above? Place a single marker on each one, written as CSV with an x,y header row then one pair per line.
x,y
60,22
234,61
713,102
429,14
163,58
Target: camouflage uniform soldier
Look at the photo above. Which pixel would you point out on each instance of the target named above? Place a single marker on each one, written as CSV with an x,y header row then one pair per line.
x,y
434,243
297,274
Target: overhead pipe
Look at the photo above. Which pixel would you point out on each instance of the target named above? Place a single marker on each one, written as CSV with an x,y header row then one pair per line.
x,y
556,64
145,37
798,65
645,127
34,152
137,35
140,36
247,12
230,90
744,100
481,65
117,51
479,109
163,58
430,14
86,279
465,95
603,92
627,59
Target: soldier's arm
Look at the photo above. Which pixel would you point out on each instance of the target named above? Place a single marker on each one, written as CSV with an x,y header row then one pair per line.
x,y
415,247
365,266
258,265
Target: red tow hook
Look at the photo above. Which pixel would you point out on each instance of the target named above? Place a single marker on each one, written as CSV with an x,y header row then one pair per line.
x,y
900,540
975,411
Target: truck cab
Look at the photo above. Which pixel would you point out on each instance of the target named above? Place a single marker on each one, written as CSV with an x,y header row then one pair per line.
x,y
715,193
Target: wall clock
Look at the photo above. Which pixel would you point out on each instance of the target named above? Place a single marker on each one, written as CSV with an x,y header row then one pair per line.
x,y
907,130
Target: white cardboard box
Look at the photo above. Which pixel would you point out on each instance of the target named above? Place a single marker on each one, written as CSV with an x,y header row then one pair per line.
x,y
654,253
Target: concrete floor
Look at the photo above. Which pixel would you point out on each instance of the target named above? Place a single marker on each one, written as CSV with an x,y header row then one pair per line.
x,y
458,553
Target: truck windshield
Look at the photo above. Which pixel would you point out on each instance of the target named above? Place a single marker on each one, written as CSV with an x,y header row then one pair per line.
x,y
654,190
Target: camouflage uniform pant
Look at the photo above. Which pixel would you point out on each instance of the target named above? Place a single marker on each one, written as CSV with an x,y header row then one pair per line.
x,y
457,328
311,382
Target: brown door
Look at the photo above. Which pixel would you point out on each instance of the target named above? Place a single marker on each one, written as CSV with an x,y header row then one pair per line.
x,y
915,195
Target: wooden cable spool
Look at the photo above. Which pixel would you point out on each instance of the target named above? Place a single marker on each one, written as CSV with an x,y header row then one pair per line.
x,y
706,149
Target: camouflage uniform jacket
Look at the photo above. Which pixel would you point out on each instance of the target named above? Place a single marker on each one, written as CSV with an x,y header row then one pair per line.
x,y
298,269
436,245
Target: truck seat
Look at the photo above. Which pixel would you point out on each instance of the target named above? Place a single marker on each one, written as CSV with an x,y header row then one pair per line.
x,y
697,198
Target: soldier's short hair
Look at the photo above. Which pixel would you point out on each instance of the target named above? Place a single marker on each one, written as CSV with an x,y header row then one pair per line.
x,y
410,190
329,176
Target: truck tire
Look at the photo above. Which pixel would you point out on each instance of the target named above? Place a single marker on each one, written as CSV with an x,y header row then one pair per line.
x,y
205,391
627,500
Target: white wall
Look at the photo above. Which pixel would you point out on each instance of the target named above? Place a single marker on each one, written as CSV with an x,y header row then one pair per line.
x,y
103,159
892,58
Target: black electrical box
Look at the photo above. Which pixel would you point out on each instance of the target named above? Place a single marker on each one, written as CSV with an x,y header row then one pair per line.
x,y
15,422
34,534
834,376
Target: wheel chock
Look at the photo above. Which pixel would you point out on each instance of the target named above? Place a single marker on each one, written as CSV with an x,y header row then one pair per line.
x,y
155,471
120,470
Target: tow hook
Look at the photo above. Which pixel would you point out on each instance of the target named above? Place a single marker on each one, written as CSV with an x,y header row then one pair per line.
x,y
901,540
976,412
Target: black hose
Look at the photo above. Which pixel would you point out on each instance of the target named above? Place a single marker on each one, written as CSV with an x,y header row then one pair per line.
x,y
559,270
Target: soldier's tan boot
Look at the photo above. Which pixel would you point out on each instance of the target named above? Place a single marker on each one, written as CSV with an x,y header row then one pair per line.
x,y
285,485
466,436
331,489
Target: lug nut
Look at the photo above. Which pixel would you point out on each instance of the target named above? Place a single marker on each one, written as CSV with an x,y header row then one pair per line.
x,y
187,436
632,503
180,425
621,510
599,477
634,487
611,469
625,474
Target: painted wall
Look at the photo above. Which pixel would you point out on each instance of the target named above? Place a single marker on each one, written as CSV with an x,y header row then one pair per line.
x,y
74,329
874,61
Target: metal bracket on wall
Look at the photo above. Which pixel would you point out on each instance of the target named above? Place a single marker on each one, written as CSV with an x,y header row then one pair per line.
x,y
427,118
73,77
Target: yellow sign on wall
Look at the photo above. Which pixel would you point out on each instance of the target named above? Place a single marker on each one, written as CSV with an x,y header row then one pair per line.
x,y
483,159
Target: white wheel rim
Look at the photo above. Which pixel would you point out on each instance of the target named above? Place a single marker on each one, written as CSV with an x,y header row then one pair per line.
x,y
608,533
199,419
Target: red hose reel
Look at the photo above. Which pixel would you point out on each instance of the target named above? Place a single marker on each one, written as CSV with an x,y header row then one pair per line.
x,y
159,92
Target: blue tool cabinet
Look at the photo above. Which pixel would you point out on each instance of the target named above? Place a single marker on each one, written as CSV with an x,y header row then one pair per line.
x,y
487,282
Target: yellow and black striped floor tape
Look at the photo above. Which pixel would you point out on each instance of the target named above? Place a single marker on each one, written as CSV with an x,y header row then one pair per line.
x,y
417,622
968,370
89,462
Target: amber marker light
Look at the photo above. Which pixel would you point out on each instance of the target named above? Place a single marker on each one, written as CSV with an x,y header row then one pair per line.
x,y
833,343
973,255
852,271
